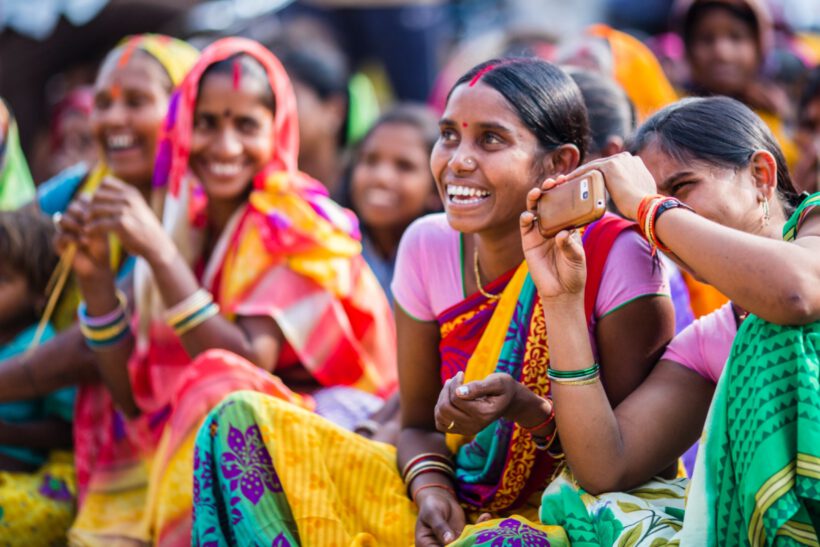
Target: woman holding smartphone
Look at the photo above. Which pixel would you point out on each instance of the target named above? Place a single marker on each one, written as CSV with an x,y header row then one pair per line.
x,y
466,310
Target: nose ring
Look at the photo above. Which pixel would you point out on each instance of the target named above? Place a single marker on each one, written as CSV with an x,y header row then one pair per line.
x,y
469,162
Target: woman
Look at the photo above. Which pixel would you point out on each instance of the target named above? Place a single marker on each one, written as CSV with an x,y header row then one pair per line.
x,y
460,288
253,258
723,162
16,186
807,136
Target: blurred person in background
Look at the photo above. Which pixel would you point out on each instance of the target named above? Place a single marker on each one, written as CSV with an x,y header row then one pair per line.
x,y
16,186
807,136
71,135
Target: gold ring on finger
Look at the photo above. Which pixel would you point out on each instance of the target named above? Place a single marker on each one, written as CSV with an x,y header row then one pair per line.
x,y
451,426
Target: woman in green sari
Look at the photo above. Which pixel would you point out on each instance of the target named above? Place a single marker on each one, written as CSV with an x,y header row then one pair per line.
x,y
726,201
16,186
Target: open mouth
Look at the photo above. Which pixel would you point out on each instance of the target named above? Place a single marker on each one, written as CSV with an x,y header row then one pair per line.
x,y
120,142
379,197
465,195
224,170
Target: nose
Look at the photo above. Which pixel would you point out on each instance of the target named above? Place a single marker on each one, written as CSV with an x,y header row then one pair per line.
x,y
227,143
462,160
115,115
723,48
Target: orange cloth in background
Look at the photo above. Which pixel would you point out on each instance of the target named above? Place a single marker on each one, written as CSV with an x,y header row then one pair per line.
x,y
703,298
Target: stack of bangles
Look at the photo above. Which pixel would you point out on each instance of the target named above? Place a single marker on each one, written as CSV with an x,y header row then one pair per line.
x,y
104,331
650,209
582,377
191,312
543,442
427,462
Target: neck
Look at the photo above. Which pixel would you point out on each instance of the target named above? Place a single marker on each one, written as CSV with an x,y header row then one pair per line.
x,y
322,164
220,213
498,252
386,240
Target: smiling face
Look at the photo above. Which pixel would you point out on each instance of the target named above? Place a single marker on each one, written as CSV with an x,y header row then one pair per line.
x,y
130,101
723,52
233,136
391,184
727,196
485,161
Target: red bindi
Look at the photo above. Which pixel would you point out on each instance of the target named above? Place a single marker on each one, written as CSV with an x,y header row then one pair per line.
x,y
237,75
464,125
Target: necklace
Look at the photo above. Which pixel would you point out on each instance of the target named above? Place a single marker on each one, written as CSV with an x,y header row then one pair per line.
x,y
484,293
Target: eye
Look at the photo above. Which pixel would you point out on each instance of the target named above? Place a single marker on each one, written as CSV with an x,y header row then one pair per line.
x,y
405,166
492,139
102,102
136,100
247,125
204,122
448,135
680,187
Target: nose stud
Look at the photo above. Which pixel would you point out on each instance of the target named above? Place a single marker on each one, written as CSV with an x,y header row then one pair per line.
x,y
469,162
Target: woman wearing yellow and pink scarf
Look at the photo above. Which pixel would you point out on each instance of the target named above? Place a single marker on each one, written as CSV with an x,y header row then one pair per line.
x,y
251,257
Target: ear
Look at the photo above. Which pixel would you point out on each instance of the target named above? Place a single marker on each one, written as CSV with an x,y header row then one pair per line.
x,y
614,145
563,160
763,167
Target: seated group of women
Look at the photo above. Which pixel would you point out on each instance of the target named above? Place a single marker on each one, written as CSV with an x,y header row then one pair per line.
x,y
231,336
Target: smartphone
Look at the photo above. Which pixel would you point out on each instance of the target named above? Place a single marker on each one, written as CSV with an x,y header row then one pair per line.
x,y
572,204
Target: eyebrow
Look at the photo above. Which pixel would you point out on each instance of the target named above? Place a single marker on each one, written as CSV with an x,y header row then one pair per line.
x,y
492,126
672,179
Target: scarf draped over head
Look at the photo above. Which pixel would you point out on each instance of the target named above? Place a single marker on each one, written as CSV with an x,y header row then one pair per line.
x,y
290,231
16,185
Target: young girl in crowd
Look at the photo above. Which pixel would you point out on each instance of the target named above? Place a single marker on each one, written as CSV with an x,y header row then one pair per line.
x,y
16,186
251,257
132,92
36,489
391,185
807,137
756,476
466,310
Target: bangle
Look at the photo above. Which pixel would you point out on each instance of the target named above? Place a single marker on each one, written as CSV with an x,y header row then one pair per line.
x,y
432,485
182,310
545,423
435,456
546,443
581,382
103,320
104,331
197,318
571,374
428,467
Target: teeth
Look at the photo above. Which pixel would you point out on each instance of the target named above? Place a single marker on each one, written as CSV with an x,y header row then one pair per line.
x,y
225,169
466,192
120,141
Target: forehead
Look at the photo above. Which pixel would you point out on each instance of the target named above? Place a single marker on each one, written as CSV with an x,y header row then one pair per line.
x,y
140,69
221,90
399,136
479,103
716,18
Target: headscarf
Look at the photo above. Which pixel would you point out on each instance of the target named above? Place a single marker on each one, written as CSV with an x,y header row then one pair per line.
x,y
289,225
637,70
16,185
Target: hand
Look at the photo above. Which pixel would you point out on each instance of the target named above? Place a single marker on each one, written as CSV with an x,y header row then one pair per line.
x,y
91,256
557,265
626,177
441,518
471,407
119,208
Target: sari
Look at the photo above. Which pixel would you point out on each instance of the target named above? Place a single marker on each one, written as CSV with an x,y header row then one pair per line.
x,y
290,254
757,475
268,472
16,185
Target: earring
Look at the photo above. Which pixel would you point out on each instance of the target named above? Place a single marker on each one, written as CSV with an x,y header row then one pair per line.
x,y
766,215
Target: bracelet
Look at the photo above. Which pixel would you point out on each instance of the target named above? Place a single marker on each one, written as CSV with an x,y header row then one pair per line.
x,y
546,443
665,205
103,320
432,485
188,306
435,456
197,318
581,382
571,374
103,331
545,423
428,467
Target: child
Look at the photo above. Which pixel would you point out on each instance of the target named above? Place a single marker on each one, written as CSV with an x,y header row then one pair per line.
x,y
391,184
36,499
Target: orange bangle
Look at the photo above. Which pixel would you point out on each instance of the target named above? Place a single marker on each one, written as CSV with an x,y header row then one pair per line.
x,y
431,485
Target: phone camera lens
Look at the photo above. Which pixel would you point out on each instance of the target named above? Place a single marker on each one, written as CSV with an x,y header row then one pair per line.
x,y
585,195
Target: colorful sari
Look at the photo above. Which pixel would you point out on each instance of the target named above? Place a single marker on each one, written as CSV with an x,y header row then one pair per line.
x,y
16,185
290,254
757,478
270,473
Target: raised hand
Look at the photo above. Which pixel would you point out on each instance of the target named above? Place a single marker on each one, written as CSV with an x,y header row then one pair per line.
x,y
91,252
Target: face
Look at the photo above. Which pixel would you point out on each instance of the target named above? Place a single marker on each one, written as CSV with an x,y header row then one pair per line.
x,y
17,304
233,136
318,119
723,53
77,142
485,161
392,185
726,196
807,137
129,106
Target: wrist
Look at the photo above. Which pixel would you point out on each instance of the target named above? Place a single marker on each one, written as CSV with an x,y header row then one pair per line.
x,y
437,484
564,303
162,255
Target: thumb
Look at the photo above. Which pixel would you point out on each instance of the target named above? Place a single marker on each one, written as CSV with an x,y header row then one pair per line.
x,y
478,389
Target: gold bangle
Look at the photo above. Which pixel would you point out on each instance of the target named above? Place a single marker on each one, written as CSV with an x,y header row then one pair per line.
x,y
585,382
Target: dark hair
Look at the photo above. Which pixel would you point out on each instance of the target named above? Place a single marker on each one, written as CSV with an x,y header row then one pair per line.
x,y
26,246
698,11
811,90
249,68
417,115
717,130
322,69
610,111
545,98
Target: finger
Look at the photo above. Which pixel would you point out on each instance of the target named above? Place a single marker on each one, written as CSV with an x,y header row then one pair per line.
x,y
101,227
484,517
482,388
550,183
569,246
454,382
526,221
532,199
113,184
104,209
109,195
442,529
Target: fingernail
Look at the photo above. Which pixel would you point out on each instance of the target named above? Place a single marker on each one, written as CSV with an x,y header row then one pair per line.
x,y
463,390
448,537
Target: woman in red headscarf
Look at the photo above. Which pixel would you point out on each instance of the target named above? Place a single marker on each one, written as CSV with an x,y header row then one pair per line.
x,y
251,257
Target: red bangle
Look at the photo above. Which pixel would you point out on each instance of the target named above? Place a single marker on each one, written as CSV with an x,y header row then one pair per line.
x,y
543,424
431,485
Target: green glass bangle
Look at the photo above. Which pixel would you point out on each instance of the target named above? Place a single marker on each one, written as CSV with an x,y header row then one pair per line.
x,y
572,374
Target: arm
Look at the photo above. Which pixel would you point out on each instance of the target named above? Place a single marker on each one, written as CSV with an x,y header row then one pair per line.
x,y
441,519
45,434
729,259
